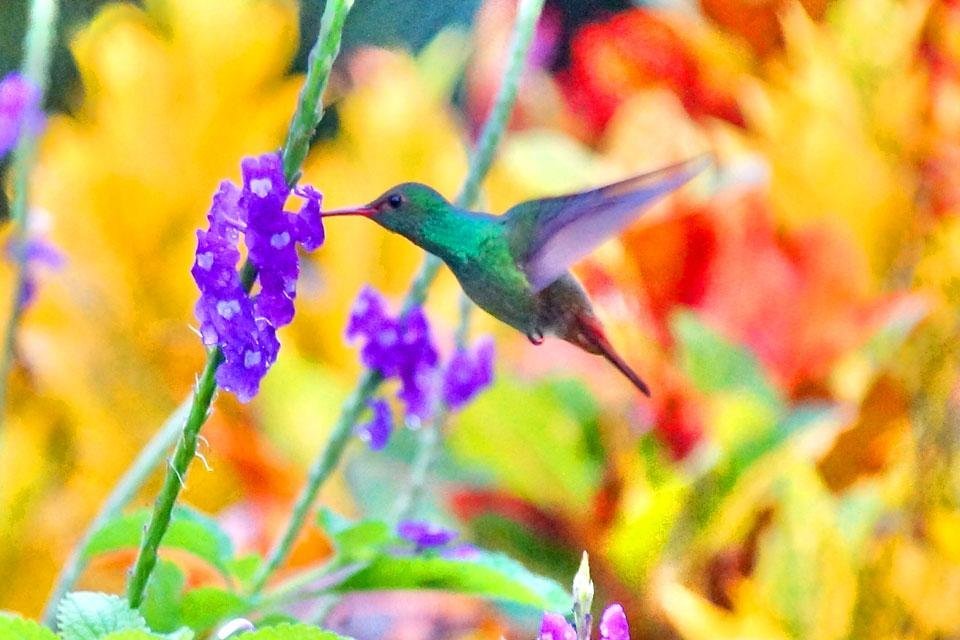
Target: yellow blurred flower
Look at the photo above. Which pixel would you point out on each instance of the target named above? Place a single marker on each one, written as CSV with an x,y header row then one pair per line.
x,y
839,118
167,111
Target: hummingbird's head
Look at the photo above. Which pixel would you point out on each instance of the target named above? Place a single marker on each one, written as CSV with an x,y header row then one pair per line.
x,y
407,209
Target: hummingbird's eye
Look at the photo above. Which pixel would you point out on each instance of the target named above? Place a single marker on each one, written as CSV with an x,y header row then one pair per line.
x,y
394,200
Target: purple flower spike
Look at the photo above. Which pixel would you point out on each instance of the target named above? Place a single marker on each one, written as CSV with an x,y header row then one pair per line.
x,y
425,535
310,232
245,327
377,431
19,110
397,348
613,624
469,372
555,627
368,314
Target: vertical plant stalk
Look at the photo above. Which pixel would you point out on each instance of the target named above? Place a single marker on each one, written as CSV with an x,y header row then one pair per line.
x,y
308,113
428,444
37,49
490,137
123,492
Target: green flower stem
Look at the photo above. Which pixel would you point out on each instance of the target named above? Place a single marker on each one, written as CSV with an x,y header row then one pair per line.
x,y
173,481
37,49
308,114
122,493
427,448
310,104
480,161
429,442
528,12
319,472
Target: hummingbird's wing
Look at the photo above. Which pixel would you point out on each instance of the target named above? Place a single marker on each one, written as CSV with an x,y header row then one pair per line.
x,y
547,236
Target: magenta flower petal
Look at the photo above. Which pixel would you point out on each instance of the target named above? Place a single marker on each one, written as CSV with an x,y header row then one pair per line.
x,y
613,624
555,627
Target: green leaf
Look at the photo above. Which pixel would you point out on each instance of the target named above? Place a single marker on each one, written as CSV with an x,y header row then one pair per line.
x,y
291,632
14,627
803,565
134,634
355,541
540,554
532,443
716,365
189,530
203,608
85,615
244,567
137,634
725,502
161,601
491,575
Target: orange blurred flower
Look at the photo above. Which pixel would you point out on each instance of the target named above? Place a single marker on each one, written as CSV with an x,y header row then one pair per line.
x,y
611,60
757,21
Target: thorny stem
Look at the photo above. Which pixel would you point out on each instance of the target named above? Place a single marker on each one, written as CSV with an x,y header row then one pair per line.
x,y
490,138
527,15
173,481
37,47
308,114
122,493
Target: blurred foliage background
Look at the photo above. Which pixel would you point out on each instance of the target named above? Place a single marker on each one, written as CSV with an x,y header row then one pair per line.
x,y
794,475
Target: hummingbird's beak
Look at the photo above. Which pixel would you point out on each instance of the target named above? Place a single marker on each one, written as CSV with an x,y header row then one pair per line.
x,y
365,210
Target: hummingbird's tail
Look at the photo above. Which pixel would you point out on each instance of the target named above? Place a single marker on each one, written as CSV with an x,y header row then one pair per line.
x,y
590,336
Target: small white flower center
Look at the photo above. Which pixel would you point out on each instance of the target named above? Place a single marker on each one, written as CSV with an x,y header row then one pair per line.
x,y
388,337
261,186
251,359
228,308
280,240
205,260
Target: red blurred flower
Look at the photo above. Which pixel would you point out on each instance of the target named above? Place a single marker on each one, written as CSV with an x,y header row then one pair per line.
x,y
798,300
940,50
636,49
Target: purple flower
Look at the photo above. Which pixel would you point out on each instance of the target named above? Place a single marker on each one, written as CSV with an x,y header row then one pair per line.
x,y
377,431
19,110
32,253
425,535
613,624
397,348
555,627
402,348
309,229
244,326
469,372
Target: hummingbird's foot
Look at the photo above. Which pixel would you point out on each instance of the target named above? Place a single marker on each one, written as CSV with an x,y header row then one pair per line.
x,y
536,337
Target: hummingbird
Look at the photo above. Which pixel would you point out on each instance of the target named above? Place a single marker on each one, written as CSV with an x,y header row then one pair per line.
x,y
516,266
